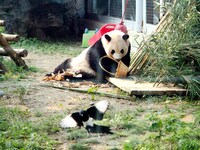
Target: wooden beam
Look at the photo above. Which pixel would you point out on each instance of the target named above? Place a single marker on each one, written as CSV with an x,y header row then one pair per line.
x,y
137,88
20,52
11,37
13,55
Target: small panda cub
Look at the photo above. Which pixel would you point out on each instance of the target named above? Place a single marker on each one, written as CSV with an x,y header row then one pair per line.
x,y
114,44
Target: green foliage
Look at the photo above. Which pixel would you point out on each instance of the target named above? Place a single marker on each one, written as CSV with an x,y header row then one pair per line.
x,y
174,52
21,92
76,134
130,145
79,147
50,124
18,133
1,29
15,72
92,91
69,47
168,132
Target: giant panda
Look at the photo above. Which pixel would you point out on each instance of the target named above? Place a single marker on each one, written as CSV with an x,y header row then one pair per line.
x,y
114,44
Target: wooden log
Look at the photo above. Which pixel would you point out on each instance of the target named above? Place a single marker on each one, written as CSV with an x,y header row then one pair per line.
x,y
11,37
2,22
20,52
13,55
3,69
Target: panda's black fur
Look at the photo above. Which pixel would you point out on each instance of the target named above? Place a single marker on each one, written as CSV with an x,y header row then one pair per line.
x,y
94,53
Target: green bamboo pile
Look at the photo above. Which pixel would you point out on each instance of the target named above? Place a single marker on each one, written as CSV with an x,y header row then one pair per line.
x,y
173,53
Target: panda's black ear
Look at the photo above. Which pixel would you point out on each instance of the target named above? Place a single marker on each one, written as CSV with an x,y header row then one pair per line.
x,y
125,37
108,38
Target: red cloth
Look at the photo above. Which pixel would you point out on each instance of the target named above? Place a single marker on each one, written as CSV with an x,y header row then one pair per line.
x,y
107,28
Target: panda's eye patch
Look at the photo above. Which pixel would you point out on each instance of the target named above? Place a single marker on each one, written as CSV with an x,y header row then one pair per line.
x,y
122,51
113,51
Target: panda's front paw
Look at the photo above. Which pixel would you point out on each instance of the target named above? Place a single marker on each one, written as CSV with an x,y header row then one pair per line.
x,y
48,75
78,74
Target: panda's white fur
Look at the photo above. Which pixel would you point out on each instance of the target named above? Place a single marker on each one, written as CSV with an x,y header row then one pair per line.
x,y
114,44
80,63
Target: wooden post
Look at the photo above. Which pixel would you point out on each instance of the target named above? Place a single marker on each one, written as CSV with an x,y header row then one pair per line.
x,y
139,15
13,55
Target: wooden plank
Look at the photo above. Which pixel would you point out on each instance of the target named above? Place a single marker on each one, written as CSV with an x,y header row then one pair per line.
x,y
137,88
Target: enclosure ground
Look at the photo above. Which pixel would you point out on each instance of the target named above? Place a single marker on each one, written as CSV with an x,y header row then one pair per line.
x,y
129,120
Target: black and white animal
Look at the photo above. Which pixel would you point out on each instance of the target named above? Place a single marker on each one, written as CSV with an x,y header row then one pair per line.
x,y
85,118
115,44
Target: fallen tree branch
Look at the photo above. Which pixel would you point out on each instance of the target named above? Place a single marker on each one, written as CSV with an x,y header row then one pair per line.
x,y
103,94
20,52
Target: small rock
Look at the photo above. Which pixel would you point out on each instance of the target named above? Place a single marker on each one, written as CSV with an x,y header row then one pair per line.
x,y
1,93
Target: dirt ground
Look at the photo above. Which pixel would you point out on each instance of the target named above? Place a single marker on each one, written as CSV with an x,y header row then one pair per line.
x,y
50,100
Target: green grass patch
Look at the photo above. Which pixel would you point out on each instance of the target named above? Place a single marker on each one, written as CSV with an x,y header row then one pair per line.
x,y
19,133
15,72
165,130
76,134
2,29
70,47
79,147
51,124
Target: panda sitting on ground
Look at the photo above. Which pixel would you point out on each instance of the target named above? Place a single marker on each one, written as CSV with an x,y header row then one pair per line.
x,y
115,44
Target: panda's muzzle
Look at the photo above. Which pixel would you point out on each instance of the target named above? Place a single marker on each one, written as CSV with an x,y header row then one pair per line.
x,y
117,57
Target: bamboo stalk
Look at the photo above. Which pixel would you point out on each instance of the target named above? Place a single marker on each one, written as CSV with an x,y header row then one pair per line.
x,y
140,57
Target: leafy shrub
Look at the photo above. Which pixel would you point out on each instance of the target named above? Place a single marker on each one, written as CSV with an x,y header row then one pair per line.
x,y
18,133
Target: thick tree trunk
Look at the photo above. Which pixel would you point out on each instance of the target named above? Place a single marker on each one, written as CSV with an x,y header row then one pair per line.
x,y
13,55
20,52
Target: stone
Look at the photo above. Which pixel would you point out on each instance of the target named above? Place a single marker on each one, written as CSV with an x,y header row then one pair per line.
x,y
42,19
1,93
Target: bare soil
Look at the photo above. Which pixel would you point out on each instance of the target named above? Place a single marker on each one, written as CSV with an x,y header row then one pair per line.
x,y
51,101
